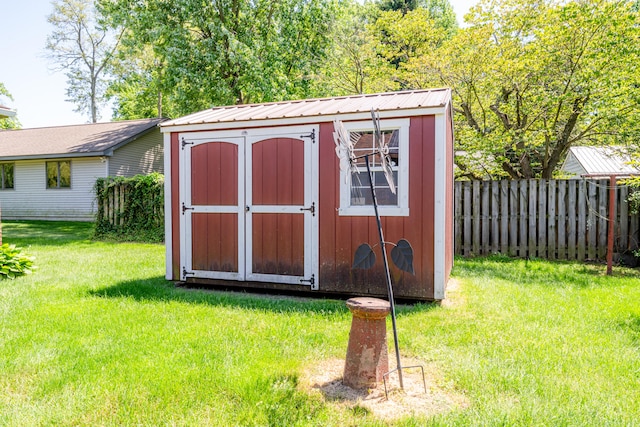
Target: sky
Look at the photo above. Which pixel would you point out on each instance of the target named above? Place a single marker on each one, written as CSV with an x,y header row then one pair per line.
x,y
39,93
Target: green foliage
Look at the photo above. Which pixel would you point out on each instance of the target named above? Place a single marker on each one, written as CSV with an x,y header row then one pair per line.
x,y
141,214
531,79
7,122
13,262
375,45
634,201
192,55
633,198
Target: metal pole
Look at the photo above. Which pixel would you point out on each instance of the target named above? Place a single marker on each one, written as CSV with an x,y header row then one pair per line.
x,y
386,269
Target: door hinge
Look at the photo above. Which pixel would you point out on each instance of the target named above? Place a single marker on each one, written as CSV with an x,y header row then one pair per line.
x,y
184,142
185,208
311,208
186,273
311,136
311,281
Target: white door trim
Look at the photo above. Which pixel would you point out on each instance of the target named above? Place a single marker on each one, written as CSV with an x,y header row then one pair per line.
x,y
309,137
187,142
245,139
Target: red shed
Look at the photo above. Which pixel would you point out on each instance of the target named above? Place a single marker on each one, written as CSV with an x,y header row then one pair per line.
x,y
255,196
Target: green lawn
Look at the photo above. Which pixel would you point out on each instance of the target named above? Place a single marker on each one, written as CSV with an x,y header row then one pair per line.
x,y
96,336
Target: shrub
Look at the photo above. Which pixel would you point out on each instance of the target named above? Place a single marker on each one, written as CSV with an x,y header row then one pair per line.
x,y
13,262
130,209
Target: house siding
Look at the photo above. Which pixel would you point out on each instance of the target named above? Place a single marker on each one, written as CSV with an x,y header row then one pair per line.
x,y
142,156
30,199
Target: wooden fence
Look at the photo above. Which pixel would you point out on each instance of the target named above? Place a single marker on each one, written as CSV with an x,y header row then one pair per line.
x,y
111,205
552,219
130,205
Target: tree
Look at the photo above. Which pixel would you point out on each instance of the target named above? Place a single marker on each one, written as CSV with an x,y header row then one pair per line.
x,y
353,65
531,79
402,38
139,89
82,47
374,43
219,52
9,122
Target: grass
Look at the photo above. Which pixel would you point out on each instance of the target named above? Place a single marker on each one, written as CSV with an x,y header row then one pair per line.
x,y
96,336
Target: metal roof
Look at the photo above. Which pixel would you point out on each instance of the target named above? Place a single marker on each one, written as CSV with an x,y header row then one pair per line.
x,y
96,139
604,160
322,108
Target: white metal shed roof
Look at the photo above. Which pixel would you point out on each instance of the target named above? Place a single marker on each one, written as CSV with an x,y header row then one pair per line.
x,y
602,160
322,108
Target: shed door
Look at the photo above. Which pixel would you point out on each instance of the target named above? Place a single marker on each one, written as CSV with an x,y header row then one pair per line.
x,y
250,207
213,208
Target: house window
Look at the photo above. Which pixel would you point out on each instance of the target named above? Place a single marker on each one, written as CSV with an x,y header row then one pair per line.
x,y
355,192
59,174
6,175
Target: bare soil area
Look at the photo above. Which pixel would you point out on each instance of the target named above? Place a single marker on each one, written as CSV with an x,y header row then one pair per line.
x,y
325,377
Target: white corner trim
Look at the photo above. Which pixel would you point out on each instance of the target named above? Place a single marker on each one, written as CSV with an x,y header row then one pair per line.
x,y
168,241
440,208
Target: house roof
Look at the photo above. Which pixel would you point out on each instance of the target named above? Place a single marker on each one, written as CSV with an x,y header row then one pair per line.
x,y
96,139
322,108
604,160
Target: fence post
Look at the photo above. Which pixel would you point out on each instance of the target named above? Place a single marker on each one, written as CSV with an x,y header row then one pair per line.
x,y
581,232
475,242
561,221
467,218
623,218
542,218
524,218
458,215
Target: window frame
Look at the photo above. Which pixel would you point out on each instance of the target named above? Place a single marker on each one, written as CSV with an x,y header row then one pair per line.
x,y
402,186
58,175
3,176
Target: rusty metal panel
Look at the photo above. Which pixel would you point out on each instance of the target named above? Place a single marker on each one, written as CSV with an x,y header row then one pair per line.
x,y
316,108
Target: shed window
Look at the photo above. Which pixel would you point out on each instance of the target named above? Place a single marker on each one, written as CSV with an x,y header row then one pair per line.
x,y
59,174
355,193
6,175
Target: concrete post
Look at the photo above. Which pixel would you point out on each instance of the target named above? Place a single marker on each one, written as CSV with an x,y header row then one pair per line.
x,y
367,358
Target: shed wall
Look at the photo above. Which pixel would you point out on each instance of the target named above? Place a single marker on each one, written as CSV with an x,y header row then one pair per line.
x,y
573,167
30,199
341,235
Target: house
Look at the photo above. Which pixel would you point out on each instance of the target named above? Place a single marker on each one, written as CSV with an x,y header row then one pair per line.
x,y
6,112
48,173
255,197
598,162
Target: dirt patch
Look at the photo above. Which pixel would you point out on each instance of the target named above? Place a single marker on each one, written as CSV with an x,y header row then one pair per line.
x,y
453,296
325,377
